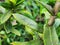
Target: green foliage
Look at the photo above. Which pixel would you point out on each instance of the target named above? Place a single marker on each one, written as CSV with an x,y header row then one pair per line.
x,y
52,36
22,22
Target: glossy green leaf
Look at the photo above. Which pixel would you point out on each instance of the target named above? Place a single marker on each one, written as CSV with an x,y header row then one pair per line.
x,y
50,36
5,17
25,21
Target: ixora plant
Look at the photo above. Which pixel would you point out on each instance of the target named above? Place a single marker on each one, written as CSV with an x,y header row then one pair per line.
x,y
14,24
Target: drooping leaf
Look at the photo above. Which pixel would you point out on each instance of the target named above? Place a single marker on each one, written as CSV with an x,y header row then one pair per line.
x,y
5,17
50,36
25,21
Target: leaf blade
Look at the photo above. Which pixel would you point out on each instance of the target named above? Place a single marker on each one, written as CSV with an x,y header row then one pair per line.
x,y
25,21
50,36
49,8
5,17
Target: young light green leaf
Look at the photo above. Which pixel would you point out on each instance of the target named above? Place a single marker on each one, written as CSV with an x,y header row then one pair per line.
x,y
5,17
50,36
25,21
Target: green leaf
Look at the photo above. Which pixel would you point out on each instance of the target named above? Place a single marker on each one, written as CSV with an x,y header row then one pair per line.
x,y
47,14
2,10
32,42
27,13
1,26
45,1
29,30
50,36
57,23
16,32
58,0
25,21
19,1
49,8
0,41
13,1
7,1
8,28
2,32
5,17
